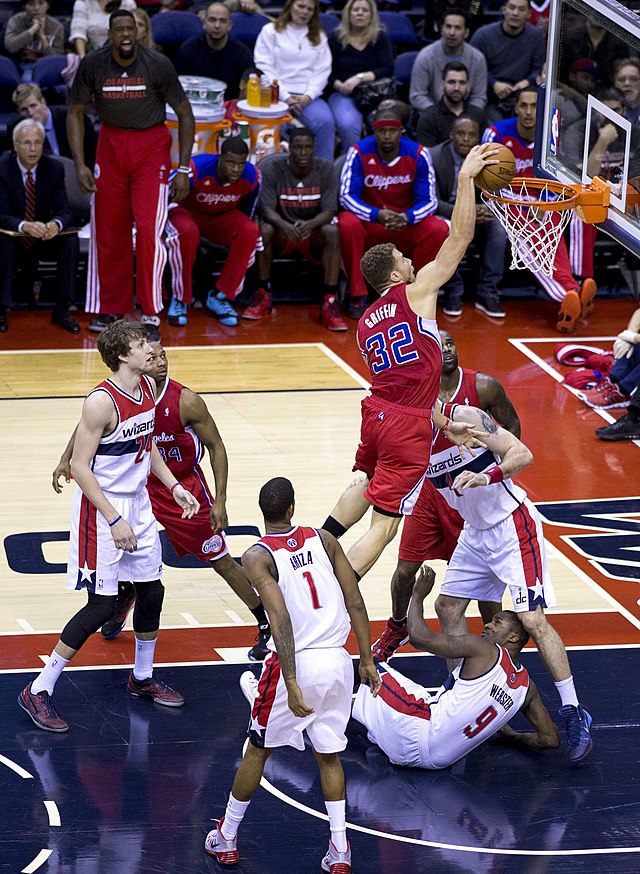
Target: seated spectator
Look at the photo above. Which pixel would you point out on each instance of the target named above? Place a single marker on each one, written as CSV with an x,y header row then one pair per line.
x,y
298,203
294,50
220,204
515,52
231,106
30,103
447,159
31,35
436,9
249,7
215,53
428,69
626,78
434,124
90,23
361,52
621,384
571,99
34,202
518,134
387,189
143,26
589,39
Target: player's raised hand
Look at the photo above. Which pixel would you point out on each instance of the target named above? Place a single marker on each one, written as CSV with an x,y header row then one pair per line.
x,y
466,436
478,158
185,499
424,581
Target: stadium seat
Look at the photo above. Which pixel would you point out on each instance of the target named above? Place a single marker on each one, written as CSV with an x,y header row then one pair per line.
x,y
403,67
171,29
47,71
329,22
399,29
246,27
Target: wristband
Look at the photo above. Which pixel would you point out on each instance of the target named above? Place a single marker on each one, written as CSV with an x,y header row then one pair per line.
x,y
111,524
176,483
495,474
183,170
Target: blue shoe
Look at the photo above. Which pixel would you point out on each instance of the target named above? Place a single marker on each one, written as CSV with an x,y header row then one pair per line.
x,y
177,313
579,741
219,306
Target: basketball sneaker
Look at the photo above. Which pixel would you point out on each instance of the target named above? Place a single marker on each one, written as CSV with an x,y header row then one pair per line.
x,y
570,310
249,686
259,305
490,307
588,291
41,710
226,852
578,724
625,428
156,690
218,306
99,323
605,396
356,307
391,639
177,313
124,602
259,651
335,862
330,315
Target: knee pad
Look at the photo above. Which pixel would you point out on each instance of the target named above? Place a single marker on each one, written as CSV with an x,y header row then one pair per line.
x,y
98,610
149,598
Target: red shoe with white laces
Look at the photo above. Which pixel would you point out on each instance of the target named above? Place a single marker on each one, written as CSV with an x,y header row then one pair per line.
x,y
605,396
330,315
259,305
391,639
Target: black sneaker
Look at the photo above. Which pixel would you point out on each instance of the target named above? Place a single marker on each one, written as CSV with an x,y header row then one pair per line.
x,y
259,651
101,322
490,307
124,602
356,307
625,428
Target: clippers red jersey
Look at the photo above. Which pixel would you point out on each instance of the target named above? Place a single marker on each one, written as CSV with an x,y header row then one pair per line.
x,y
132,436
506,132
403,351
309,587
209,196
178,445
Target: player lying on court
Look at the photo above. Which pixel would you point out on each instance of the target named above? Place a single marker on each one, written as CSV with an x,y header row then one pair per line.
x,y
486,689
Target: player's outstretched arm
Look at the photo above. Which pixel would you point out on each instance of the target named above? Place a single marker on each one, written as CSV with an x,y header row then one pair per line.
x,y
546,734
356,609
433,275
194,413
259,568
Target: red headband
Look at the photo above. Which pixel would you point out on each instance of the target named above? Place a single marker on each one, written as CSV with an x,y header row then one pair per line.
x,y
386,122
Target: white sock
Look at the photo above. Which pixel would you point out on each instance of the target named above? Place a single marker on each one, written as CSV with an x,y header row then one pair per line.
x,y
233,816
143,666
50,674
567,692
337,824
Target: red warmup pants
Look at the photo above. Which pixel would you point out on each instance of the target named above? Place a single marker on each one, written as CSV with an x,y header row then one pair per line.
x,y
132,172
582,238
233,229
421,242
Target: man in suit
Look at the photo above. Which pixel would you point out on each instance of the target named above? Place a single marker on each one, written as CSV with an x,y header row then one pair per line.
x,y
30,103
447,159
34,203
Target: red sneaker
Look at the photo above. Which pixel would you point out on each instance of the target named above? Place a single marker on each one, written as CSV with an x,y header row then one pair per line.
x,y
605,396
156,690
570,310
259,305
41,710
391,639
330,315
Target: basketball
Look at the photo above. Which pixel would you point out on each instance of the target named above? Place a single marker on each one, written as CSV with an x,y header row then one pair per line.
x,y
496,176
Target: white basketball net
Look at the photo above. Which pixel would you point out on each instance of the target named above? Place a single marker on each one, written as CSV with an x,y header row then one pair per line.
x,y
534,233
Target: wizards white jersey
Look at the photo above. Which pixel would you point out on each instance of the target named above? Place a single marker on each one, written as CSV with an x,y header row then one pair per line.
x,y
482,507
123,458
310,588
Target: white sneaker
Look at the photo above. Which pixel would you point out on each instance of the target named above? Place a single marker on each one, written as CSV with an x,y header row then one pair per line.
x,y
249,686
226,852
335,862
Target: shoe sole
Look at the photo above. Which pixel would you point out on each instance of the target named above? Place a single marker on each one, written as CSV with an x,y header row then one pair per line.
x,y
220,861
35,721
586,302
452,313
177,321
615,438
255,318
568,317
620,405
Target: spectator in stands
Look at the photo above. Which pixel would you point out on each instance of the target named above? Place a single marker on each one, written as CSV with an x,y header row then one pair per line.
x,y
215,53
434,124
249,7
588,39
143,26
361,52
298,204
447,159
428,69
436,9
90,23
515,52
517,134
387,189
30,103
32,34
571,99
220,204
294,50
621,384
626,78
132,169
34,202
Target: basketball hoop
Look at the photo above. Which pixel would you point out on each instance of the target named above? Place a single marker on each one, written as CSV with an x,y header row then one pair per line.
x,y
535,212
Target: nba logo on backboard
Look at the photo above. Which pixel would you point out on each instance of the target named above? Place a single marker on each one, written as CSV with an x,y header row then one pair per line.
x,y
554,129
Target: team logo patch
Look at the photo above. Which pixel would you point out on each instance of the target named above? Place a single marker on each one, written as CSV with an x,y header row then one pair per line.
x,y
512,678
213,544
292,542
96,171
